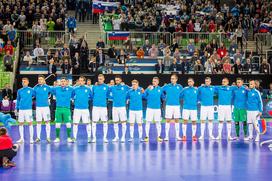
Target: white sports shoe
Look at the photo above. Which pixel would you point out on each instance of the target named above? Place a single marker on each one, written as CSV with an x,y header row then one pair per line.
x,y
130,139
31,141
70,140
201,138
93,140
248,138
178,138
270,146
20,141
115,139
212,137
57,140
89,140
230,138
142,140
105,140
218,138
166,139
123,140
257,139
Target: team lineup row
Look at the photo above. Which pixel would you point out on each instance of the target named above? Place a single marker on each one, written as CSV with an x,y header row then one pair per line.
x,y
246,102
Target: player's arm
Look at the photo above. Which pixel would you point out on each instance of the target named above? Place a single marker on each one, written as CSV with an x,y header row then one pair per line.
x,y
260,103
18,100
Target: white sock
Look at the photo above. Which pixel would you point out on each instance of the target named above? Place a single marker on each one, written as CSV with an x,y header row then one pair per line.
x,y
21,131
75,130
158,127
250,130
147,128
177,129
184,129
220,129
229,129
210,127
89,130
105,130
140,129
94,130
194,129
124,130
47,129
167,128
115,128
202,129
39,128
31,132
131,131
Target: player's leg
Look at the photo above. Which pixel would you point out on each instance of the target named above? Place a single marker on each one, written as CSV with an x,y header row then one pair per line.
x,y
157,118
115,118
203,117
149,119
243,116
66,114
58,120
104,118
257,139
177,122
123,117
221,118
46,118
193,116
229,123
29,120
237,119
210,123
250,119
139,120
76,119
132,119
39,117
169,112
21,120
86,120
185,117
95,117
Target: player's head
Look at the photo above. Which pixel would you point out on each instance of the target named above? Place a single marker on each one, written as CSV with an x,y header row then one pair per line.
x,y
225,81
118,79
25,82
191,82
63,81
239,82
56,83
101,79
208,81
81,80
41,79
3,131
252,84
155,81
174,79
135,84
112,82
89,82
257,83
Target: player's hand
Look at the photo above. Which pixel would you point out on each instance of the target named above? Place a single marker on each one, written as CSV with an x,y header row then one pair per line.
x,y
142,90
150,87
259,114
96,83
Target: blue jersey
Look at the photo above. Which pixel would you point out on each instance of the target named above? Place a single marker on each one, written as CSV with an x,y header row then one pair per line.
x,y
81,95
239,97
172,94
41,93
205,95
135,98
118,94
100,94
189,96
254,101
24,98
63,96
154,96
224,95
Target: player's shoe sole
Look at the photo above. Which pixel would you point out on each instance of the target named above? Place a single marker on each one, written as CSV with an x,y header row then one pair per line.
x,y
179,139
146,139
57,140
159,139
20,141
93,141
201,138
31,142
194,138
184,138
115,140
48,140
166,139
123,140
248,139
105,141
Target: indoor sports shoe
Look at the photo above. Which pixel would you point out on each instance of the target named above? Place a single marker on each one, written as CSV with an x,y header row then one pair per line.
x,y
230,138
146,139
130,139
248,138
218,138
211,137
178,138
93,140
194,138
184,138
38,140
201,138
20,140
166,139
105,140
123,140
270,146
89,140
159,139
70,140
31,141
48,140
257,139
57,140
11,164
74,140
115,139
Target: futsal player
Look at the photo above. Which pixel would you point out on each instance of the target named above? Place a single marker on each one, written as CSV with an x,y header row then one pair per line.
x,y
154,96
254,110
189,111
134,97
224,93
81,96
63,94
239,103
24,108
172,111
119,112
100,94
42,93
205,96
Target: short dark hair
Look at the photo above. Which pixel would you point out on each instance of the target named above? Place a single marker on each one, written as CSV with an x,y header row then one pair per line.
x,y
41,76
208,78
190,78
25,78
82,77
65,78
239,78
118,77
3,131
175,75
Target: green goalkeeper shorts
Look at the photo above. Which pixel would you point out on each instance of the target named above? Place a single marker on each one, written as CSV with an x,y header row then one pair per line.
x,y
63,115
239,115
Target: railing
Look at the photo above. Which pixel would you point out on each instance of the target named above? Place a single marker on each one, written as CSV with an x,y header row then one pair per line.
x,y
262,40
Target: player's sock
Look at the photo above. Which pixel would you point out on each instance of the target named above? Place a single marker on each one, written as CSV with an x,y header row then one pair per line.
x,y
140,129
105,130
184,129
115,128
31,132
147,128
57,130
237,128
21,131
89,130
202,129
47,129
220,129
177,129
245,128
158,127
75,130
131,131
210,127
167,128
229,128
124,129
39,127
94,130
194,129
250,130
68,130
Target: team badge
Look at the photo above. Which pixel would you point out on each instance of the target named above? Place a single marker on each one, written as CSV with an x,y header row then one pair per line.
x,y
67,88
253,94
122,88
139,93
28,92
86,90
104,88
44,89
195,92
159,90
243,91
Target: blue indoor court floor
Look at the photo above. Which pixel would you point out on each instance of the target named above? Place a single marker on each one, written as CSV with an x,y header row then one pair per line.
x,y
167,161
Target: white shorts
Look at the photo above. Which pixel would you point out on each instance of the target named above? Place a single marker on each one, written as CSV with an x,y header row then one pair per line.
x,y
206,112
119,114
172,112
25,115
224,113
99,113
42,113
252,117
153,114
81,114
136,116
192,114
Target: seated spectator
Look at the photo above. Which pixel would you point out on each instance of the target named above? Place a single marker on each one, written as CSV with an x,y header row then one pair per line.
x,y
9,47
7,92
100,43
265,67
65,56
122,57
75,64
237,67
112,51
194,58
184,66
153,51
177,54
237,55
198,67
100,58
190,48
174,45
12,34
56,57
209,66
59,43
8,61
126,70
65,49
248,66
38,51
92,64
259,87
233,47
218,67
28,59
174,67
48,56
52,68
159,67
66,67
146,47
161,47
227,67
128,44
222,51
140,53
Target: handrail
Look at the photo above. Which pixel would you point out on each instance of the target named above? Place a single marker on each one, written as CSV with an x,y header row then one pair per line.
x,y
15,64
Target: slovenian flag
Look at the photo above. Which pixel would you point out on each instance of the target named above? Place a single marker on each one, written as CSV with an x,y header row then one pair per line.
x,y
265,28
119,35
101,7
